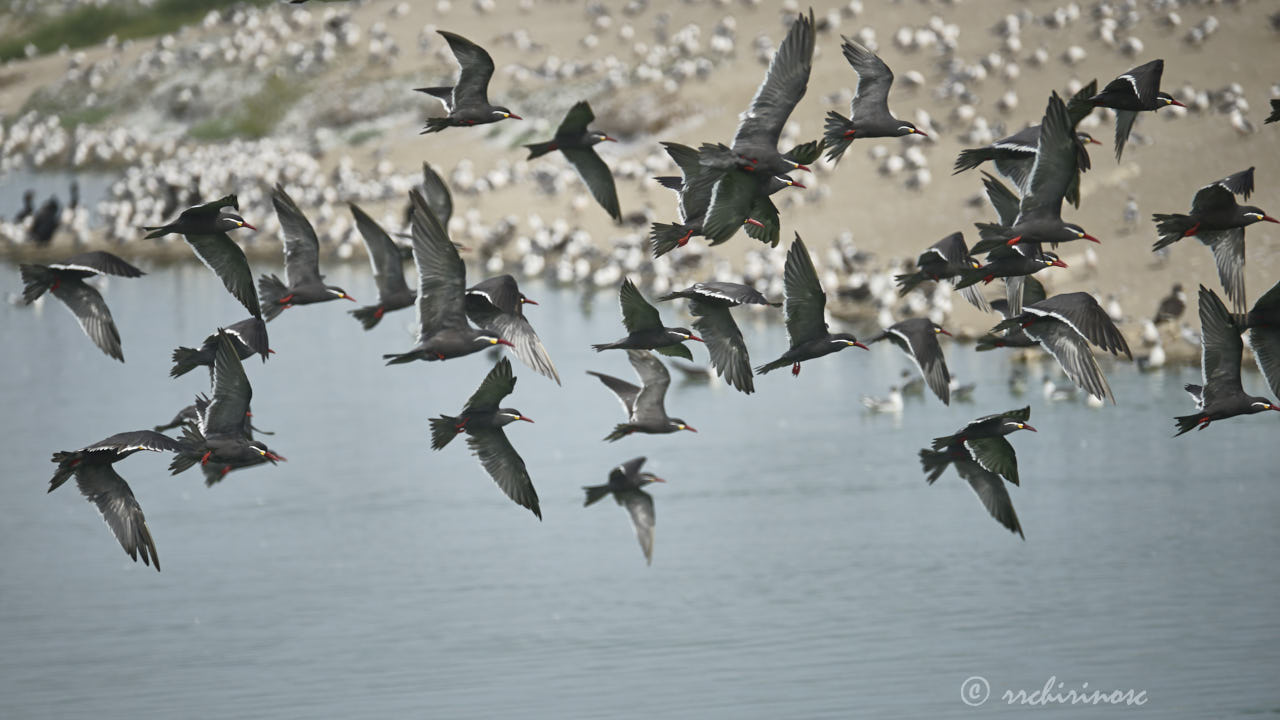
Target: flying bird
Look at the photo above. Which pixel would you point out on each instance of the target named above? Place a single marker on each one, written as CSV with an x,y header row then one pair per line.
x,y
576,143
482,420
66,281
1262,328
497,305
694,191
301,263
626,484
249,336
982,439
645,330
805,308
918,338
709,303
869,115
388,272
467,102
644,405
944,260
1133,92
205,229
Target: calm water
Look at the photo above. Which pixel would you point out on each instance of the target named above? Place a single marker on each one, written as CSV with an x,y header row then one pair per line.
x,y
802,567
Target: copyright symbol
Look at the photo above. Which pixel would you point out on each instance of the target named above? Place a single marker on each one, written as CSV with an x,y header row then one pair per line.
x,y
975,690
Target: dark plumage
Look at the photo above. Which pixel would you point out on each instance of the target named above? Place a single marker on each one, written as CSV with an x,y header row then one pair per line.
x,y
388,272
644,327
984,439
869,115
709,303
305,285
1262,328
918,338
1275,111
205,229
1133,92
497,305
66,281
946,259
805,307
694,191
1006,262
645,407
625,483
249,336
1013,337
576,143
467,102
1171,306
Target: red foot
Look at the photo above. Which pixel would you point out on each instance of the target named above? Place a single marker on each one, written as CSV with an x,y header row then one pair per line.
x,y
987,280
1204,423
795,370
55,285
1027,324
554,146
753,221
439,356
225,470
285,300
378,313
205,460
462,424
1192,231
685,240
849,133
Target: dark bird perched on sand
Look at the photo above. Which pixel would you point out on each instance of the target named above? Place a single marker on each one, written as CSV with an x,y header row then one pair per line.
x,y
248,336
709,303
869,115
205,229
482,420
625,484
1219,222
644,405
944,260
1221,350
102,486
576,143
1262,329
45,223
1131,93
1064,325
644,327
983,440
468,101
301,263
805,307
66,281
1015,156
497,305
1275,111
1171,306
443,331
1039,218
388,272
222,437
918,338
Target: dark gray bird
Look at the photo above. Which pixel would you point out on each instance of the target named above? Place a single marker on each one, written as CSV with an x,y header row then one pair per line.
x,y
388,272
45,223
443,331
66,281
1012,337
205,229
576,143
28,206
805,308
1262,328
709,303
1275,111
497,305
694,191
1006,205
1064,325
983,441
644,405
439,199
1010,262
869,115
1222,396
249,336
987,485
918,338
1171,306
102,486
944,260
301,263
468,101
644,327
1219,222
625,484
1131,93
222,438
482,420
740,199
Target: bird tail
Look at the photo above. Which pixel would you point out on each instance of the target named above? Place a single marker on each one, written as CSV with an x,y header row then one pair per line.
x,y
435,125
369,315
1172,228
834,136
37,280
185,360
620,431
770,366
401,358
1186,423
191,442
972,158
155,232
988,342
594,493
604,346
908,281
970,276
540,149
443,430
443,93
934,463
993,236
665,237
272,291
67,462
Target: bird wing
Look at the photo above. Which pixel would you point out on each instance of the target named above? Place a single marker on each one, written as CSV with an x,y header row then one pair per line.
x,y
626,392
731,199
1079,106
441,273
103,486
225,258
1220,349
384,255
252,332
1228,255
499,383
500,293
805,301
1003,199
1265,343
1145,80
477,68
516,330
729,293
783,86
724,343
229,407
952,249
439,199
301,246
1211,199
575,121
764,212
993,494
637,313
654,380
1124,125
871,97
1055,164
995,454
1082,313
1240,183
136,440
505,466
101,262
640,505
921,342
598,178
91,312
627,472
1071,350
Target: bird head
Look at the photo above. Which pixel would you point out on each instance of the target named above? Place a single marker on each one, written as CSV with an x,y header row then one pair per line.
x,y
509,415
778,182
265,452
938,329
1254,214
1051,260
686,334
678,424
1086,139
1259,404
1080,233
595,136
526,301
646,478
501,113
1165,100
845,340
907,128
339,292
1014,426
231,221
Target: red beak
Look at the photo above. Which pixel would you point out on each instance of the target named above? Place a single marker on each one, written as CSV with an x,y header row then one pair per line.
x,y
525,419
1091,238
609,139
658,479
1175,102
799,185
514,116
1014,241
803,167
527,301
250,226
858,344
349,298
690,428
274,457
1028,427
921,132
944,332
1094,142
1268,218
1058,263
270,351
505,342
695,337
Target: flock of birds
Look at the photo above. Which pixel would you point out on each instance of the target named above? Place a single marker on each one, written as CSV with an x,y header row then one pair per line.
x,y
722,189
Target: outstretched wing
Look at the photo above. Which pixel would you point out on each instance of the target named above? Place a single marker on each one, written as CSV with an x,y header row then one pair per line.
x,y
640,505
575,121
806,303
724,342
499,383
516,330
783,86
731,199
1071,351
91,312
1055,165
992,493
626,392
225,258
301,246
654,381
871,98
598,178
441,273
1003,199
1083,314
103,263
384,255
232,393
104,487
1228,255
1220,348
996,455
637,313
439,199
505,466
472,87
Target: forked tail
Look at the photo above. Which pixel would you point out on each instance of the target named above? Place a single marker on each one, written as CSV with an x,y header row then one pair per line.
x,y
837,134
1172,228
185,360
443,430
37,280
665,237
273,293
934,463
594,493
369,315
